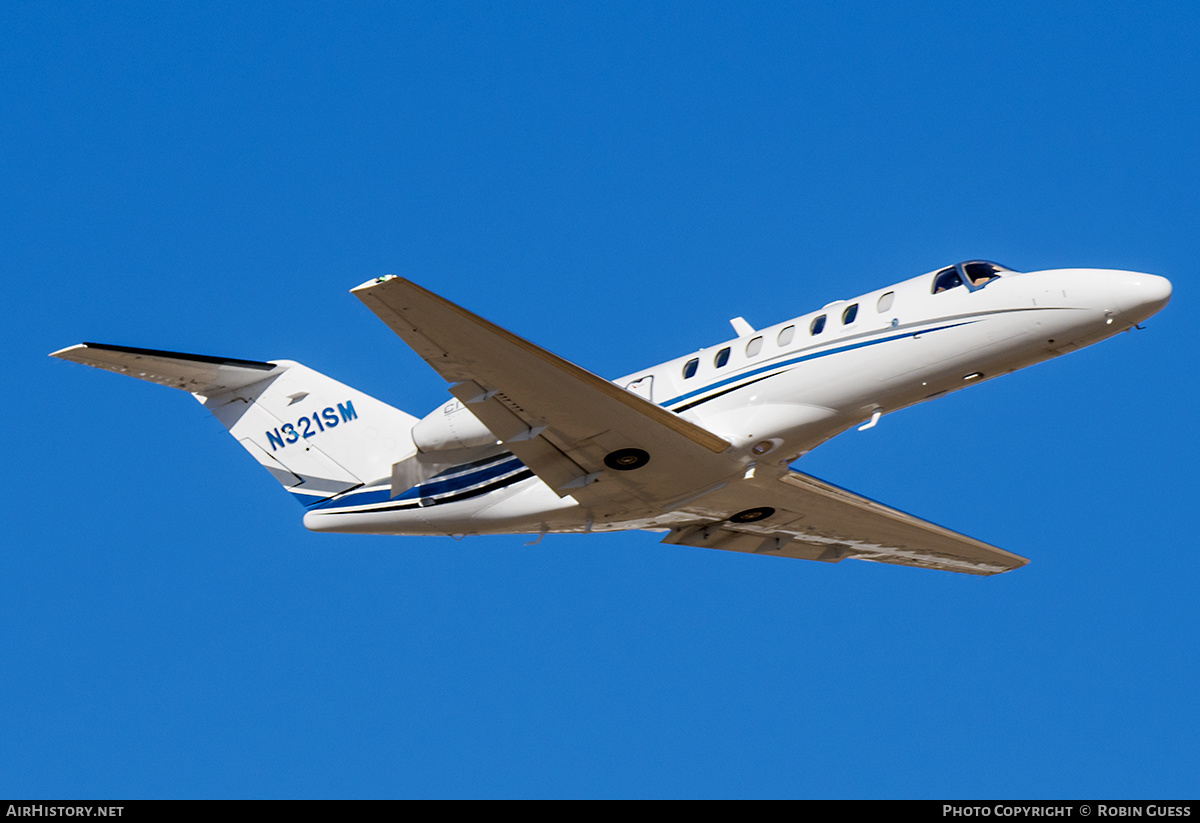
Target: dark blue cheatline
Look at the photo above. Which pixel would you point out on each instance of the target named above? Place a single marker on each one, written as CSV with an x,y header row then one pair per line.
x,y
457,483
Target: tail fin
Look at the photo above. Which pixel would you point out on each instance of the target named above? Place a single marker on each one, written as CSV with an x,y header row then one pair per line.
x,y
316,436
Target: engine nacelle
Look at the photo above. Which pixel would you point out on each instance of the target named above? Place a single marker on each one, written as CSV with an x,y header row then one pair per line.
x,y
451,426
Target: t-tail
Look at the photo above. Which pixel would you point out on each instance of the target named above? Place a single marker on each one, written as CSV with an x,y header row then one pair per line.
x,y
316,436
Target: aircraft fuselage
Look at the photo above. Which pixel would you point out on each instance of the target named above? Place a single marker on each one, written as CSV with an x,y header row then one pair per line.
x,y
776,393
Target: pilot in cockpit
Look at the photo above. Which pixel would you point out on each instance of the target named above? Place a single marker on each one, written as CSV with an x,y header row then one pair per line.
x,y
977,272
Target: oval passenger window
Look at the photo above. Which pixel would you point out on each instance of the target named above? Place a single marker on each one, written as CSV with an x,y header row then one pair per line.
x,y
849,314
885,302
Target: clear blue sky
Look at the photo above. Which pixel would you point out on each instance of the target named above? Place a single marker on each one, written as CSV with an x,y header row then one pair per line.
x,y
614,181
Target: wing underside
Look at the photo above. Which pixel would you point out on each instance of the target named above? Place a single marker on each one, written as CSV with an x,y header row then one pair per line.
x,y
803,517
612,450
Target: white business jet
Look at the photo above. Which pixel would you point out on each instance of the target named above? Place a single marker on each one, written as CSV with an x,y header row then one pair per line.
x,y
698,447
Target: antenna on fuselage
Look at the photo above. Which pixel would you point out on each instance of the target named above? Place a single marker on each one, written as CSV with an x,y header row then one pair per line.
x,y
741,326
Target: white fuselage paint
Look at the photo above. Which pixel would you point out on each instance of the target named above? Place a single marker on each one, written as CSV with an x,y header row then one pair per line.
x,y
786,399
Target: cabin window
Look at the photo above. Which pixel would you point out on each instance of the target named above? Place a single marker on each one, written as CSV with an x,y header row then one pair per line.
x,y
722,357
885,302
754,347
849,314
689,368
818,325
945,280
785,335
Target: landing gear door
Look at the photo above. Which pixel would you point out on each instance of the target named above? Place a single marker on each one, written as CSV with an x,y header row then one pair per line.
x,y
643,387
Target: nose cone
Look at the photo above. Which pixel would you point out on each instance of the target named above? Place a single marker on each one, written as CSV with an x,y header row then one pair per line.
x,y
1139,295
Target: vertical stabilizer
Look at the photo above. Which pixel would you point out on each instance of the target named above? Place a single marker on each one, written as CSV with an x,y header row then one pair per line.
x,y
316,436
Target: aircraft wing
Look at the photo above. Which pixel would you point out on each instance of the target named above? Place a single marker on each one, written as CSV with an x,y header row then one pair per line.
x,y
612,450
815,520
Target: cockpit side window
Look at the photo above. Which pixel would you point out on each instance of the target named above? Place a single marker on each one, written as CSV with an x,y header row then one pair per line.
x,y
946,279
980,272
975,273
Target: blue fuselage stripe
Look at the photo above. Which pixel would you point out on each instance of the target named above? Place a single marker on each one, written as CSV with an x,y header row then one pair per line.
x,y
802,358
453,484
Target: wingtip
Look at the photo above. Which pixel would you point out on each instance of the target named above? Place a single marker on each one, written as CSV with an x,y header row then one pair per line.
x,y
61,354
375,281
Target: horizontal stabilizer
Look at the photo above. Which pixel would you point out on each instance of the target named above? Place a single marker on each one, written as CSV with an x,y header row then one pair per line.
x,y
195,373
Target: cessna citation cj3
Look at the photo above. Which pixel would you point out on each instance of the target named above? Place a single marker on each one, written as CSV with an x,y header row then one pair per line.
x,y
698,447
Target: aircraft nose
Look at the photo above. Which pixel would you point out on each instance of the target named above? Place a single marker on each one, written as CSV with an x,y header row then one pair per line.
x,y
1139,295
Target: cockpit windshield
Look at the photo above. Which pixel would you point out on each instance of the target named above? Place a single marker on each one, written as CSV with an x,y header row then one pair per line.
x,y
974,273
